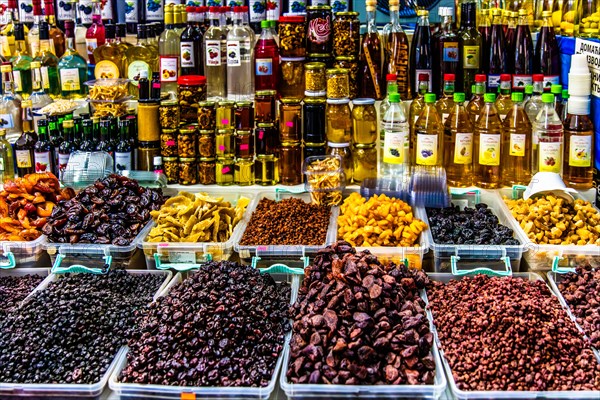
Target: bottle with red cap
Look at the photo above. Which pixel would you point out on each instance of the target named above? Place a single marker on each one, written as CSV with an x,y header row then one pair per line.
x,y
191,46
498,56
503,101
476,103
446,103
417,105
392,87
266,53
534,104
523,53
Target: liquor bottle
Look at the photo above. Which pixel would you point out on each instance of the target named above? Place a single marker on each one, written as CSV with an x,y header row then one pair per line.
x,y
154,13
10,105
445,51
458,144
155,86
105,143
21,62
39,98
547,55
420,55
485,29
511,34
215,60
258,13
7,168
134,14
240,61
141,58
72,68
267,60
65,10
446,103
57,37
528,92
177,21
564,109
88,143
417,105
504,101
477,101
7,33
25,143
395,136
168,50
469,48
123,151
77,130
370,61
110,58
578,165
523,55
55,139
121,37
487,146
48,62
108,12
498,56
33,36
516,145
191,47
67,146
203,22
94,37
534,104
427,139
81,27
547,138
396,52
43,152
143,86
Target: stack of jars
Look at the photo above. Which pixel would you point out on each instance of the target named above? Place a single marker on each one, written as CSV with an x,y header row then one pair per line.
x,y
364,138
266,169
169,118
346,46
338,128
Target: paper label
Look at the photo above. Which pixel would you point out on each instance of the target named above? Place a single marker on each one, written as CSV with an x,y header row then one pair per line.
x,y
182,257
45,78
18,82
592,52
463,148
169,66
553,80
319,30
520,81
489,149
550,157
106,69
427,153
471,57
122,161
396,147
43,161
65,11
493,81
26,11
580,151
187,54
34,44
107,11
234,56
258,9
154,10
85,11
517,144
264,66
91,45
63,160
69,78
5,43
213,53
23,158
6,121
131,12
450,52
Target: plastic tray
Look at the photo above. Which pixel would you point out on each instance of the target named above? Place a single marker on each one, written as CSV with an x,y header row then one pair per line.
x,y
79,391
481,255
194,253
282,252
44,272
139,391
24,254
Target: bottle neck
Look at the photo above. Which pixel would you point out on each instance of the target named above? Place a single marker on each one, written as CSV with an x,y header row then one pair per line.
x,y
394,19
423,88
538,88
424,21
448,89
371,24
97,10
27,120
447,24
479,88
37,80
215,19
523,20
392,87
42,133
467,15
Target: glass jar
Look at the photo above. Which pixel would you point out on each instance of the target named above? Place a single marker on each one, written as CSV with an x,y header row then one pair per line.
x,y
264,103
291,78
325,58
206,171
225,115
188,171
225,143
290,163
314,78
171,169
364,121
192,90
314,149
225,171
343,150
338,86
244,144
244,115
244,172
168,143
364,158
168,114
207,115
292,36
338,121
290,114
319,29
148,122
186,143
346,34
313,117
267,139
351,64
206,143
145,155
266,171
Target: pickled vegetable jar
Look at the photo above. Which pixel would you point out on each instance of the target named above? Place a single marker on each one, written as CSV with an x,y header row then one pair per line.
x,y
188,171
206,143
192,90
292,36
186,143
364,158
346,34
171,169
207,115
339,121
168,143
206,171
364,121
291,79
168,114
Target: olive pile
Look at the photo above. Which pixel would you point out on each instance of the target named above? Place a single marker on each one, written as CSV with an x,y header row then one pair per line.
x,y
13,289
71,332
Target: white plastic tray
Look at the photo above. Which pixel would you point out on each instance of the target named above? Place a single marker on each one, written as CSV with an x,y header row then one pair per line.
x,y
26,254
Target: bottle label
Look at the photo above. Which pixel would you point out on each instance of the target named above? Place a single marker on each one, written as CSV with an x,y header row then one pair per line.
x,y
463,148
423,72
65,11
23,158
5,43
154,10
69,79
444,117
471,57
213,53
319,30
45,46
26,11
34,43
338,5
6,121
494,81
135,69
85,11
517,144
396,147
264,66
258,9
169,65
91,45
17,79
450,52
489,149
131,12
43,161
122,161
551,80
550,154
234,56
187,55
2,166
63,160
520,81
427,149
107,11
51,47
106,69
580,151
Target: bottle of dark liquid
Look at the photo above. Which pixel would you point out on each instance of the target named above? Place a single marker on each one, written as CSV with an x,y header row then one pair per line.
x,y
511,33
105,144
134,15
523,55
123,153
155,86
547,56
497,62
191,47
67,146
42,151
26,142
445,50
469,47
143,86
55,139
88,143
370,57
485,29
77,130
420,54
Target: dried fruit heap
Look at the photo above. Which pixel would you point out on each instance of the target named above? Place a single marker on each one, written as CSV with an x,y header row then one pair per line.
x,y
357,322
13,289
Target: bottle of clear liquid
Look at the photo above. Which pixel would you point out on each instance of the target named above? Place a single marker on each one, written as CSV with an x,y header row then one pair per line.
x,y
7,164
394,157
416,106
516,144
578,166
487,146
446,103
564,109
392,87
504,100
240,61
458,145
549,135
169,51
215,60
476,103
10,105
428,139
534,104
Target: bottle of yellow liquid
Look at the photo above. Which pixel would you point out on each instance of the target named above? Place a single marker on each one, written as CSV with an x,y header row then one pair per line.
x,y
503,102
446,103
476,103
419,102
516,145
458,145
578,164
427,141
487,146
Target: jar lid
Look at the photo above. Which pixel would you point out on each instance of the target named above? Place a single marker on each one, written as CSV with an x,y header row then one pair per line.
x,y
314,100
187,131
320,55
290,100
363,101
337,71
157,160
169,159
168,103
345,58
226,103
298,19
292,59
192,80
225,159
337,145
266,92
185,159
309,144
365,145
244,103
310,93
314,65
319,7
243,132
169,130
205,132
290,143
207,159
338,101
266,157
347,14
225,131
155,144
206,103
265,125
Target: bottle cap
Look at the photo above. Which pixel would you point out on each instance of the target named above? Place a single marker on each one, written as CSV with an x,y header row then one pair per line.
x,y
489,97
423,77
264,23
35,64
449,77
538,78
556,89
522,11
547,98
394,98
505,77
578,106
430,98
459,97
473,89
565,93
391,77
580,79
157,160
516,97
528,89
480,78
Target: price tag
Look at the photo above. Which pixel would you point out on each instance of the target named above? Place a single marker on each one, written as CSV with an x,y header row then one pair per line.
x,y
188,396
182,257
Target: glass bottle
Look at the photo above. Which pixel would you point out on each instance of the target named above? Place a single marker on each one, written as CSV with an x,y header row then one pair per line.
x,y
267,60
21,62
547,138
564,109
168,50
523,54
516,145
49,63
420,55
556,90
7,33
10,105
178,20
584,19
445,51
557,10
39,98
66,147
95,36
72,68
121,38
123,150
33,36
510,35
547,54
484,27
458,144
26,142
370,58
215,60
42,151
110,59
446,103
427,140
497,51
476,103
396,54
504,100
392,87
191,48
469,48
141,60
108,11
134,15
154,13
7,169
55,138
105,143
416,106
240,59
87,143
395,137
83,22
57,37
534,104
487,146
578,165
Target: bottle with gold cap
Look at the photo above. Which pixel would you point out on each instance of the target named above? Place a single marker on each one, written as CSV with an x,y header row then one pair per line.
x,y
427,139
395,44
487,146
370,57
26,142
